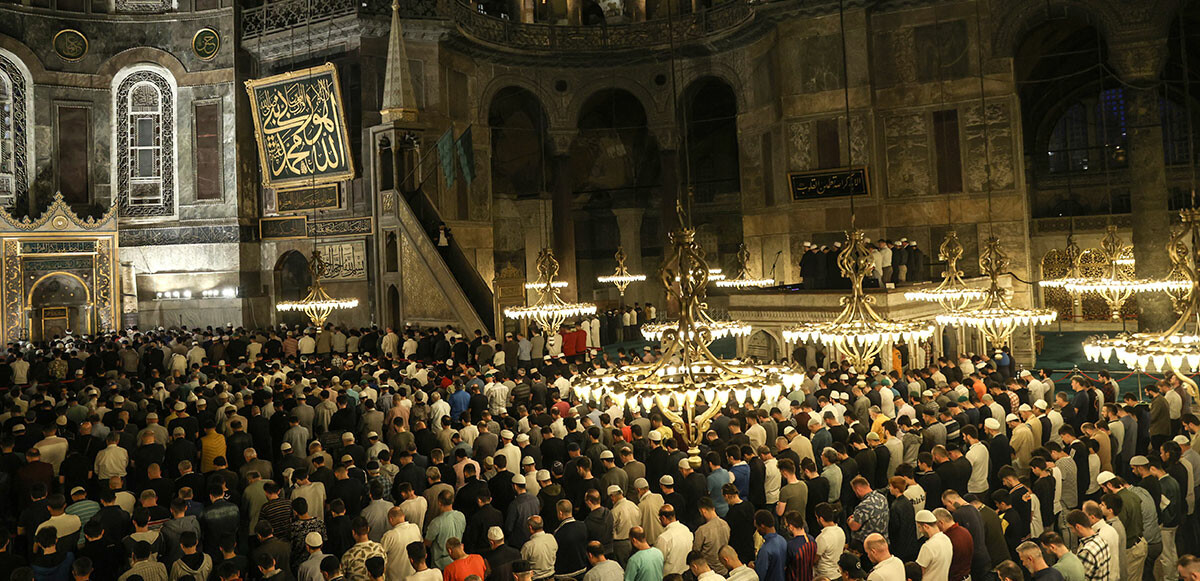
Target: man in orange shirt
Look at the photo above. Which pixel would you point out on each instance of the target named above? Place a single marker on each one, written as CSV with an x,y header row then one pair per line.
x,y
463,565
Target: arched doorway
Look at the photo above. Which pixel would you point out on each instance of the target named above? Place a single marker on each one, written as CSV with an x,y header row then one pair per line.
x,y
708,110
615,164
391,254
520,157
59,302
393,302
292,280
763,346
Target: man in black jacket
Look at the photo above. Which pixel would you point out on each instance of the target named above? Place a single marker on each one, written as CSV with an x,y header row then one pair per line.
x,y
572,537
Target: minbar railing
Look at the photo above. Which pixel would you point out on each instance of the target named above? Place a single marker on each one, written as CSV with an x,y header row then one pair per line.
x,y
680,29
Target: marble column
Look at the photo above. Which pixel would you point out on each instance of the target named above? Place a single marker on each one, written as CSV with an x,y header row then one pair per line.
x,y
1140,63
563,220
538,229
629,226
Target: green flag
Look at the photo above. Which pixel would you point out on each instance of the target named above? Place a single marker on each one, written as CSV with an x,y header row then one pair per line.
x,y
445,146
466,155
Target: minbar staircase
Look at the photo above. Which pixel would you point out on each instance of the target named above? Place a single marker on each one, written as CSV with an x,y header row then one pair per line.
x,y
476,290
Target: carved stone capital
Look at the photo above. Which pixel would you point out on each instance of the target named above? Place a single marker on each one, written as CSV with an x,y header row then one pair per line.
x,y
668,136
1139,60
561,140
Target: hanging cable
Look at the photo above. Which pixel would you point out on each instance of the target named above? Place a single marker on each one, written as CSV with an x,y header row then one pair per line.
x,y
846,93
987,157
1187,104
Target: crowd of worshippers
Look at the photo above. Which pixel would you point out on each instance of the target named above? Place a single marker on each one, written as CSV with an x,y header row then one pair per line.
x,y
290,467
892,263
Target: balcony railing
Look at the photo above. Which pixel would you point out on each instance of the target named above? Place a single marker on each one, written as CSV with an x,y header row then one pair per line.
x,y
278,16
659,32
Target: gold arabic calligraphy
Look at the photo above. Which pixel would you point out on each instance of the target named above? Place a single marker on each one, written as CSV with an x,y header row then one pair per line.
x,y
301,127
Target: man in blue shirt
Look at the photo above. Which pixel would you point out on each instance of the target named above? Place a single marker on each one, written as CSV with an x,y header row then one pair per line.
x,y
740,470
459,399
717,477
772,556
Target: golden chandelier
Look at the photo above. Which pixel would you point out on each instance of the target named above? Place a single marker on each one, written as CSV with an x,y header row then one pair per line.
x,y
996,318
549,311
317,304
1117,286
952,294
687,372
743,279
858,332
1177,349
622,278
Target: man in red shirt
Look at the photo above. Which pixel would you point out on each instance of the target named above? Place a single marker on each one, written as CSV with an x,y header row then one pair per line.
x,y
960,539
464,565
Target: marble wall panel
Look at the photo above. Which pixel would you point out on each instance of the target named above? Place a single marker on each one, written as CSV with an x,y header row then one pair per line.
x,y
998,147
906,148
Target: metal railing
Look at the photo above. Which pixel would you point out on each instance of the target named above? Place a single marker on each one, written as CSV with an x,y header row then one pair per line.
x,y
278,16
638,35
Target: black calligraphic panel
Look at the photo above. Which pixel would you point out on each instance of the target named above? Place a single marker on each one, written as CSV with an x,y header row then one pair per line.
x,y
344,227
307,198
831,183
279,228
300,126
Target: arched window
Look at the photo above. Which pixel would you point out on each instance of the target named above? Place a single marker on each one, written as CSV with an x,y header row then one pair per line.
x,y
15,144
8,186
1069,141
145,145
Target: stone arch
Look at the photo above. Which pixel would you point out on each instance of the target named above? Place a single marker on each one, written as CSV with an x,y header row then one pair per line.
x,y
656,109
502,82
1013,20
141,56
125,187
393,306
721,72
60,291
764,344
708,110
292,279
519,128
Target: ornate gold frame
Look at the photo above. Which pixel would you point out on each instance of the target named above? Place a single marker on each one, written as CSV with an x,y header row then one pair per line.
x,y
253,84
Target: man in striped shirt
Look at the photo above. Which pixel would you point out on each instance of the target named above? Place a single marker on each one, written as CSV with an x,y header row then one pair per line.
x,y
801,549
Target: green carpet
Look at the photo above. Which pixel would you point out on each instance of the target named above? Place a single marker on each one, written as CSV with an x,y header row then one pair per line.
x,y
1063,352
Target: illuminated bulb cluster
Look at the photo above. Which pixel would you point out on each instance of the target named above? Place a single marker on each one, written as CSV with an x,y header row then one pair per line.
x,y
542,285
1147,351
745,282
316,304
220,293
718,330
173,295
617,279
1115,285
